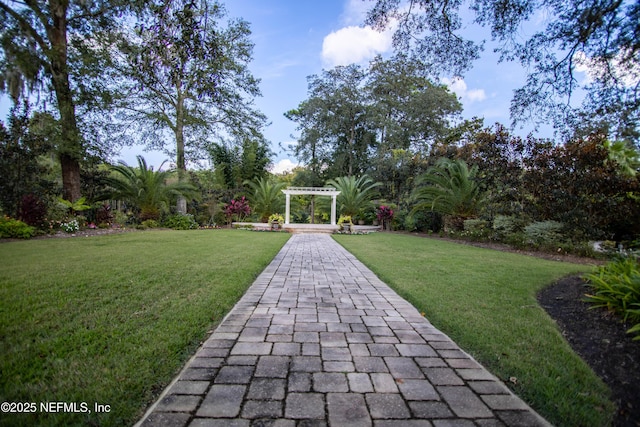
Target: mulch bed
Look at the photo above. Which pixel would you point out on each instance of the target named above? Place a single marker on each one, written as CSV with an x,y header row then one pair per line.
x,y
601,340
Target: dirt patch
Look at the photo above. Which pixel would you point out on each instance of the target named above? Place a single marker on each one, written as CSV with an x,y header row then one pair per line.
x,y
601,340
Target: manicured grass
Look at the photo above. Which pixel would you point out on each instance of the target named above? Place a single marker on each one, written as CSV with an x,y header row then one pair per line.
x,y
112,319
485,300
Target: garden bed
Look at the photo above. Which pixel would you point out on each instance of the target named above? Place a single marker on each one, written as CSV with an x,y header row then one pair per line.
x,y
601,340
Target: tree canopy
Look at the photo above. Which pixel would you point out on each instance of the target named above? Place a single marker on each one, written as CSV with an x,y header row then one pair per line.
x,y
186,80
354,117
599,36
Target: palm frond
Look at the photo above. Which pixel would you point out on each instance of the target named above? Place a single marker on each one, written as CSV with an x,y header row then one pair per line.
x,y
448,188
355,193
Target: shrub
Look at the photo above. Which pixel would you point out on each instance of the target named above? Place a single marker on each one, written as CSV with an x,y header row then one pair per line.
x,y
399,221
238,209
104,214
181,222
410,223
385,216
476,229
121,218
424,221
616,286
33,210
544,232
15,229
475,225
504,225
517,240
150,223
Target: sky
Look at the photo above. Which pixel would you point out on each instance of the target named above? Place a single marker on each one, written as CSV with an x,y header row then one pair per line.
x,y
297,38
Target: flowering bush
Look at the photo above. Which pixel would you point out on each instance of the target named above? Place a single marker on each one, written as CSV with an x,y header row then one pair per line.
x,y
238,209
71,226
385,215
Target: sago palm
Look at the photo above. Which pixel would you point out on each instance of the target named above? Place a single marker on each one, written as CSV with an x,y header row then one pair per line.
x,y
355,194
449,188
266,198
145,189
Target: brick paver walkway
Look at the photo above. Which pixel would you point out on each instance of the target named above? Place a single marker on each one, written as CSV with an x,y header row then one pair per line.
x,y
319,340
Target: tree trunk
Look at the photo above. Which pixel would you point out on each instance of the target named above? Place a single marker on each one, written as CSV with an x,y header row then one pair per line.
x,y
70,177
181,205
70,149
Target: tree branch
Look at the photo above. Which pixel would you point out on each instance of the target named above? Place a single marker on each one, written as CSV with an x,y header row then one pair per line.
x,y
28,30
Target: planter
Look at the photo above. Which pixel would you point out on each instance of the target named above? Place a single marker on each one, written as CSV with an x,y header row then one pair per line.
x,y
275,225
346,227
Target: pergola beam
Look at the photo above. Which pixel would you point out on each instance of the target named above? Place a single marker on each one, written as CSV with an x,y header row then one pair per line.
x,y
304,191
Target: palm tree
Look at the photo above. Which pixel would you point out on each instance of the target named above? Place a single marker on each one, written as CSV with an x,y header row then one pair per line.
x,y
145,189
355,194
266,198
449,188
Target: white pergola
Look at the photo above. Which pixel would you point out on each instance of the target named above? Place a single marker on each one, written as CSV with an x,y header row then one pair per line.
x,y
318,191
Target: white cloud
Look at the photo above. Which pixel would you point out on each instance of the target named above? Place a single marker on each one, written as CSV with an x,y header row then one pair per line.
x,y
594,69
353,45
284,165
458,86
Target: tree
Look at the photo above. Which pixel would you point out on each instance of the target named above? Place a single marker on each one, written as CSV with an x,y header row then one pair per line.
x,y
577,185
601,36
499,157
266,197
23,174
44,48
335,134
189,77
237,163
407,109
355,193
147,191
310,148
358,121
449,188
410,115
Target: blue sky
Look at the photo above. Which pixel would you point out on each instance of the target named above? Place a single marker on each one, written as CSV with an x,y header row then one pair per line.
x,y
296,38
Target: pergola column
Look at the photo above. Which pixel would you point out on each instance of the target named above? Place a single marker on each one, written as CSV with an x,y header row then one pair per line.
x,y
333,209
288,208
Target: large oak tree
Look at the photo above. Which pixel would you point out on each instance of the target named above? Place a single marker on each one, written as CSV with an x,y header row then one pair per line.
x,y
45,48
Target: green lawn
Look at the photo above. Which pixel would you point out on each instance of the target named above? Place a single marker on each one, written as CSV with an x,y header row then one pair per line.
x,y
485,301
112,319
